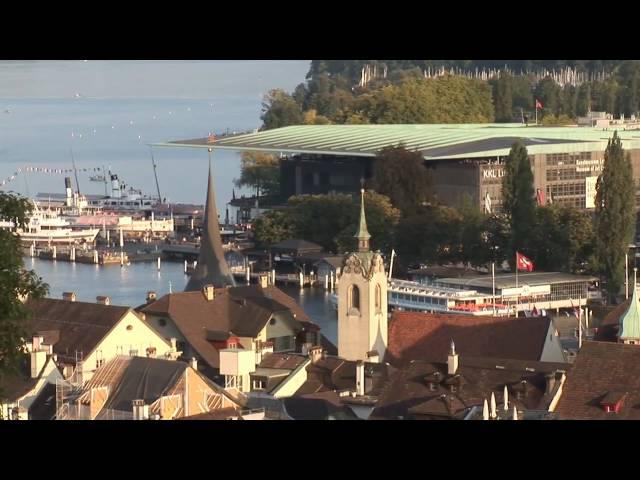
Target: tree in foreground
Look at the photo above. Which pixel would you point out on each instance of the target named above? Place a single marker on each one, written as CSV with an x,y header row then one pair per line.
x,y
16,284
615,214
400,174
519,204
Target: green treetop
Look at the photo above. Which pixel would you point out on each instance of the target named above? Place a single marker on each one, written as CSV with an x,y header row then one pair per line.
x,y
518,198
615,214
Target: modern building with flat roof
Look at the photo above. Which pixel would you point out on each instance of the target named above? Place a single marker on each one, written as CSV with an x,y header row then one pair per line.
x,y
466,160
552,290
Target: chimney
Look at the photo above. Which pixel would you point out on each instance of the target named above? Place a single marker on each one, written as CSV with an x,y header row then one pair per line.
x,y
452,360
209,292
315,354
140,410
306,347
69,296
373,356
69,191
38,357
360,377
194,363
151,296
174,344
103,300
264,281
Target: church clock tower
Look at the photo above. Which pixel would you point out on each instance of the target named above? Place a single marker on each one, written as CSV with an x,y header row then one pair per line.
x,y
362,300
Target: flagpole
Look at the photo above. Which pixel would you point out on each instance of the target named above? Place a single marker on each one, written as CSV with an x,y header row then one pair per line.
x,y
493,282
518,291
579,323
626,276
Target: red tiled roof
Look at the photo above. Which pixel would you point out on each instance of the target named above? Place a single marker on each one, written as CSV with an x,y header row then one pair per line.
x,y
602,368
242,311
427,336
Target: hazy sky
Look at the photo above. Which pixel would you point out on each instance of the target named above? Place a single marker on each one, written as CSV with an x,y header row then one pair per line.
x,y
160,78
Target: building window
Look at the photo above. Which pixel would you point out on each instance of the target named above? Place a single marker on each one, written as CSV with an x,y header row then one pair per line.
x,y
378,297
354,297
272,321
162,322
133,352
258,385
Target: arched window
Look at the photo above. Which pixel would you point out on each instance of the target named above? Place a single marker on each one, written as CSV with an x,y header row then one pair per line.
x,y
378,298
354,297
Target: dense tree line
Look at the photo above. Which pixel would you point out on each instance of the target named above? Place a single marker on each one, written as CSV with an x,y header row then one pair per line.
x,y
324,99
332,93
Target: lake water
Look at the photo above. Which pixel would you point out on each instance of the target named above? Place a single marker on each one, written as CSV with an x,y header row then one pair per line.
x,y
107,112
122,107
129,285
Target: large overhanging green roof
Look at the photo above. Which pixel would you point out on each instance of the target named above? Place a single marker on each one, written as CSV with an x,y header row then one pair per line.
x,y
439,141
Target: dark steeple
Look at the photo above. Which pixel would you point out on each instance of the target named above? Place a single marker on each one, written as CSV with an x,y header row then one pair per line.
x,y
212,267
362,234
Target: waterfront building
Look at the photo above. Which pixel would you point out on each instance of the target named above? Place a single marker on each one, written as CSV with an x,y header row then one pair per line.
x,y
465,160
82,336
244,322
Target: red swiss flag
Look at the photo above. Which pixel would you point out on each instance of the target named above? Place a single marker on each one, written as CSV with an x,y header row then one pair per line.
x,y
524,263
538,104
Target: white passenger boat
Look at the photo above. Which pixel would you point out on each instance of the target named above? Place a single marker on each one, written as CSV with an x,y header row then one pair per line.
x,y
413,296
46,226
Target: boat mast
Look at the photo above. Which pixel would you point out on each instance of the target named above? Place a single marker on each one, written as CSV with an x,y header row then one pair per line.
x,y
104,176
75,170
155,173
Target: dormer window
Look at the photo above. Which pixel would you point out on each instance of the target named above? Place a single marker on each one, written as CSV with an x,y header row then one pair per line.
x,y
613,401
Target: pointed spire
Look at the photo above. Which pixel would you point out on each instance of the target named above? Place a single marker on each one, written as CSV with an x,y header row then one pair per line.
x,y
212,267
515,413
494,414
505,397
233,194
485,410
362,234
630,320
452,348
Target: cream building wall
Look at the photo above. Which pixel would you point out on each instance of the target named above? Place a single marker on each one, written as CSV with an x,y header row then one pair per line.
x,y
130,336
